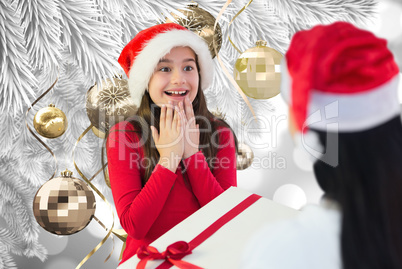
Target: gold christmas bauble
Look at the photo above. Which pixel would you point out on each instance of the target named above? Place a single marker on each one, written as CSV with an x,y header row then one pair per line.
x,y
64,205
202,23
109,104
257,71
245,156
50,122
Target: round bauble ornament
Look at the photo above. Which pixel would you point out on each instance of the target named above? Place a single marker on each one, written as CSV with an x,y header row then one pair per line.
x,y
202,23
245,156
64,205
50,122
109,104
257,71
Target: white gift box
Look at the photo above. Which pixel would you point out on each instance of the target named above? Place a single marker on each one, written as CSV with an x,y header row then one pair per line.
x,y
224,248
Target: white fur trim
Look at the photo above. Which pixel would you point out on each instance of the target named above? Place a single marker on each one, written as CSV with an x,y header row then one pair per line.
x,y
286,81
145,63
353,112
308,150
310,240
347,112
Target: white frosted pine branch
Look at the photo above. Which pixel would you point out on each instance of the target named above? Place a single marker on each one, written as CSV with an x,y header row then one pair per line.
x,y
138,15
310,12
16,201
6,261
160,9
88,40
72,84
11,242
11,127
268,26
16,79
359,11
111,16
41,21
132,22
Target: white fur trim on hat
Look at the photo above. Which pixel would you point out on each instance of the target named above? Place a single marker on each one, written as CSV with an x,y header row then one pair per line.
x,y
354,112
145,62
334,112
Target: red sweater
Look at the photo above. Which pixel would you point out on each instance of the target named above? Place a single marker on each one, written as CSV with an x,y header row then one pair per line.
x,y
167,198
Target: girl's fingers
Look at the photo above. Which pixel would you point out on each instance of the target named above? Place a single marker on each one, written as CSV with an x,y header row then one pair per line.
x,y
175,117
189,107
169,115
162,121
189,110
155,134
184,119
180,122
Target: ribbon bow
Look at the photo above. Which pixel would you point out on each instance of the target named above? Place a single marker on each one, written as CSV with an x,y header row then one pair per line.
x,y
173,255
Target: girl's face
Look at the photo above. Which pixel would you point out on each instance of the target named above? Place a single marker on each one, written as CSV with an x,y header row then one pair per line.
x,y
175,77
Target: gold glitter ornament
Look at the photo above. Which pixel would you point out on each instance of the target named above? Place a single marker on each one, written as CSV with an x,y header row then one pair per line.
x,y
110,104
257,71
202,23
245,156
50,122
64,205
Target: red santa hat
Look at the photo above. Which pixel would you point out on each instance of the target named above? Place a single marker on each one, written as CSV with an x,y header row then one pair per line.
x,y
339,73
142,54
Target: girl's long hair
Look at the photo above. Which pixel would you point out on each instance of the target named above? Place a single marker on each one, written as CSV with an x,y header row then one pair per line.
x,y
367,184
149,114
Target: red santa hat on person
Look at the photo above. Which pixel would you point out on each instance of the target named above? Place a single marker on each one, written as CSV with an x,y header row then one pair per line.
x,y
339,78
142,54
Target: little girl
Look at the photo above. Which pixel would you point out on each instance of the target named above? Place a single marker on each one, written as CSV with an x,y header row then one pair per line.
x,y
347,98
173,156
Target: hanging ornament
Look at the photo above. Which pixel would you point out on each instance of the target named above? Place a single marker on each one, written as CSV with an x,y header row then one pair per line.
x,y
109,104
202,23
257,71
50,122
245,156
122,235
64,205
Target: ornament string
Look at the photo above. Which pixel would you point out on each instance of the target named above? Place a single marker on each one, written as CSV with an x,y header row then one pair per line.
x,y
104,227
120,233
30,130
226,72
238,13
100,195
97,172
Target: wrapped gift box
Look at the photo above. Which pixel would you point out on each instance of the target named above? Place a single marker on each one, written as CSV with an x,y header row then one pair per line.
x,y
224,248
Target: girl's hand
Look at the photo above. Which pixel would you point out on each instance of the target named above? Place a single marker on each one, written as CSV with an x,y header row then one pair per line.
x,y
169,142
191,129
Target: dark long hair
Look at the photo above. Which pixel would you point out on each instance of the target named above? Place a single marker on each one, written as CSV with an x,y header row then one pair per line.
x,y
367,184
149,114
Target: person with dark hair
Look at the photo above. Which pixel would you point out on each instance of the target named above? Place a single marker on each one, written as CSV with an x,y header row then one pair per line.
x,y
341,84
173,156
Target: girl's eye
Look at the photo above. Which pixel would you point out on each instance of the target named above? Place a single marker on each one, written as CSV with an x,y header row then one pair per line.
x,y
188,68
164,69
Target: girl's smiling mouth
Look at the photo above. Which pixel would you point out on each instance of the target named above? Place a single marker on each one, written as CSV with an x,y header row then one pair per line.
x,y
177,93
